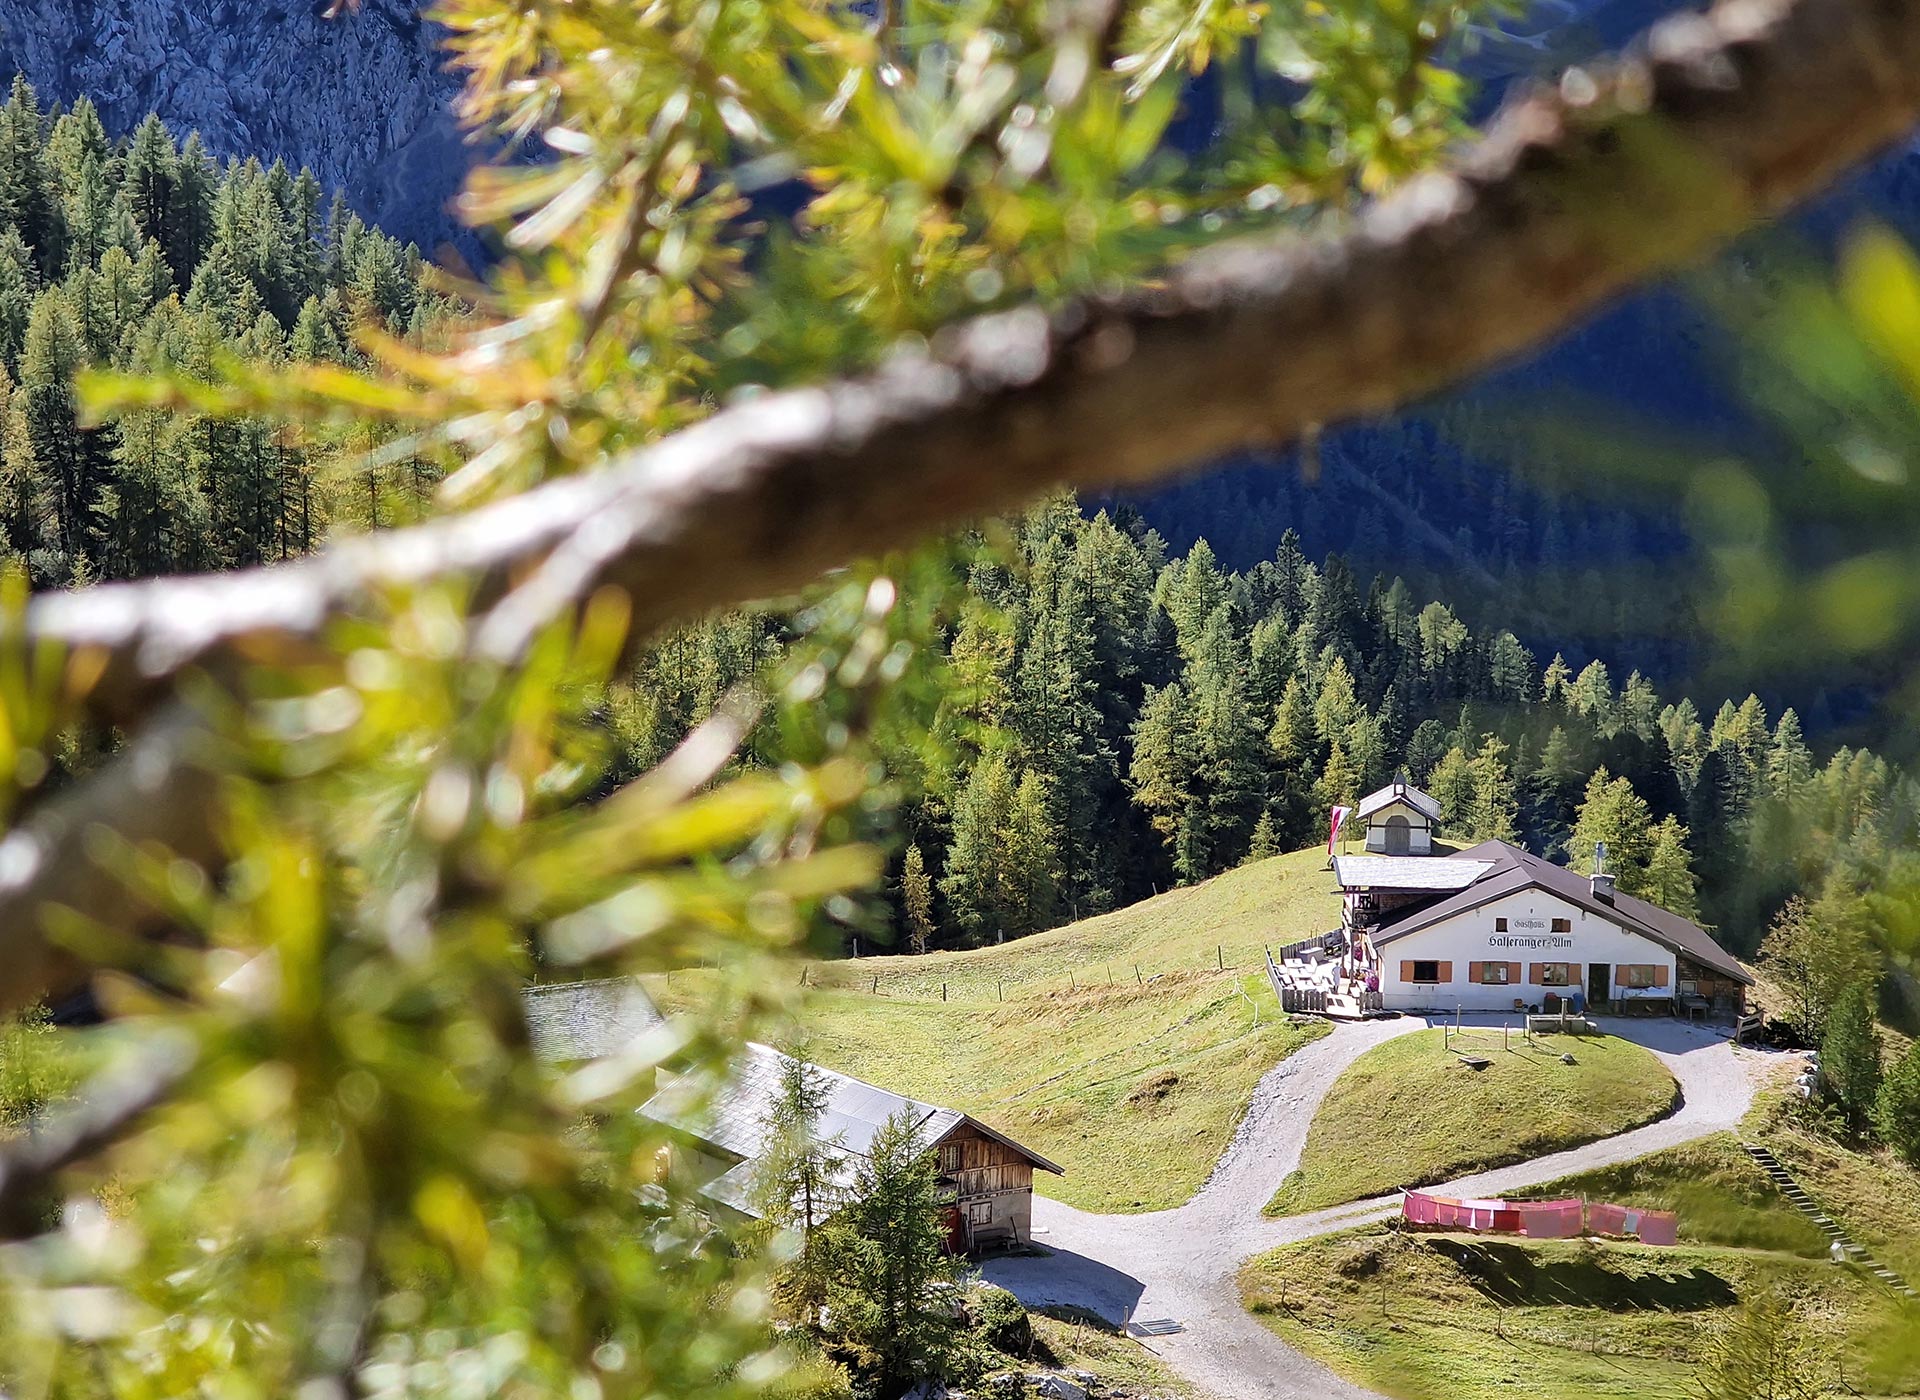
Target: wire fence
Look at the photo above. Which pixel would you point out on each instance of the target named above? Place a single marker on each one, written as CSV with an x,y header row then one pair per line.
x,y
1017,979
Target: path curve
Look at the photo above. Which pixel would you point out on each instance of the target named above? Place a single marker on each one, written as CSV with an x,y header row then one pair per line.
x,y
1183,1264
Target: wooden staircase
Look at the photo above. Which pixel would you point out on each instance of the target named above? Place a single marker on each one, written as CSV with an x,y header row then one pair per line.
x,y
1831,1228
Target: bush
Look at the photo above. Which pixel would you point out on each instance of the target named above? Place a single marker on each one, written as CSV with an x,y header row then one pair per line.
x,y
1896,1109
1002,1322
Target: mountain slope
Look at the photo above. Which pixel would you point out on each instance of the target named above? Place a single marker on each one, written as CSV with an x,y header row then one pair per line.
x,y
1135,1037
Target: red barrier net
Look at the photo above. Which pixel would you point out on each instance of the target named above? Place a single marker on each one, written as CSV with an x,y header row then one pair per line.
x,y
1541,1220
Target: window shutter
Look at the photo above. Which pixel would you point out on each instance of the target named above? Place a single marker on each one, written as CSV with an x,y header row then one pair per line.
x,y
1660,975
1446,972
1621,976
1474,972
1513,972
1406,970
1537,974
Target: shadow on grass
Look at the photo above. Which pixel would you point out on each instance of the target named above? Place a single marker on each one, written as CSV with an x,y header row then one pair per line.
x,y
1516,1277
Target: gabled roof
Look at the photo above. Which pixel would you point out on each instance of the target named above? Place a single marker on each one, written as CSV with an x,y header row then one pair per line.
x,y
1434,873
735,1118
1510,870
570,1021
1399,791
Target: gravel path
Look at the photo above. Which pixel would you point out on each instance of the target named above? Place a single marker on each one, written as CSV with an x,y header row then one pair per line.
x,y
1181,1264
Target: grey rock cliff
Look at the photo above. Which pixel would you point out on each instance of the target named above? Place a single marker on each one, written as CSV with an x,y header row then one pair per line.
x,y
361,100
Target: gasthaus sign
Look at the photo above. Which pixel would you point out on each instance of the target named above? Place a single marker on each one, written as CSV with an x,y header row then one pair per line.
x,y
1530,933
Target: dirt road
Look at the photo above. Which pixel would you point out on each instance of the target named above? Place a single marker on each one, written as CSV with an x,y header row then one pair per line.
x,y
1180,1265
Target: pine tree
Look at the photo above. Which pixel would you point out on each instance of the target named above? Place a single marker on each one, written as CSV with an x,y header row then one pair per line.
x,y
1339,784
1613,814
1553,685
1850,1069
1451,785
1032,842
797,1188
1789,761
1669,879
1293,738
975,882
27,201
1266,837
1896,1109
190,211
1494,807
891,1301
151,180
52,352
1815,953
916,900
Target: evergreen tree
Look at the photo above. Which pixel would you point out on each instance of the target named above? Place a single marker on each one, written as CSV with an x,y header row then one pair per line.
x,y
1896,1109
1815,953
1451,785
1612,813
1669,879
976,880
151,181
1266,838
797,1188
1850,1059
27,201
890,1300
916,898
1494,807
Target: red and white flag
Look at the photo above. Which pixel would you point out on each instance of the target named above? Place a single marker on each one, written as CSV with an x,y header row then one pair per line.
x,y
1340,814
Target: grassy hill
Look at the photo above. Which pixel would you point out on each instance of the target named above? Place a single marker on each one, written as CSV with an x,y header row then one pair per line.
x,y
1450,1317
1124,1047
1409,1112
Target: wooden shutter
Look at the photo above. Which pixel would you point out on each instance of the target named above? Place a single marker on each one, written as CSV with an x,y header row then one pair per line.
x,y
1474,971
1513,972
1406,970
1660,975
1537,974
1446,972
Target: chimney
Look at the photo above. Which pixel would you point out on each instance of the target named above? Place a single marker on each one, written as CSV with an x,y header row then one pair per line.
x,y
1602,880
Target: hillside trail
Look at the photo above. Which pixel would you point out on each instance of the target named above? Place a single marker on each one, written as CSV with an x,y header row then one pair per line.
x,y
1182,1265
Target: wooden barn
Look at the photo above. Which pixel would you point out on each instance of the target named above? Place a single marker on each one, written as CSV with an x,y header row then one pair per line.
x,y
987,1176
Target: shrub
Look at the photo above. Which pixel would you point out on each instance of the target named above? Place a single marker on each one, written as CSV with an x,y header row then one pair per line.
x,y
1002,1321
1896,1109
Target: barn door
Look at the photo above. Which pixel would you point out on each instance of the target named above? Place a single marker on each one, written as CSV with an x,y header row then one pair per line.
x,y
1399,836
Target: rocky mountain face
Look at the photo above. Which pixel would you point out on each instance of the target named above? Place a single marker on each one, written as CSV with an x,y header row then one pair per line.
x,y
362,101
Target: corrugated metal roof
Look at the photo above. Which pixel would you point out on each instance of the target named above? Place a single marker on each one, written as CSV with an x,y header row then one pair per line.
x,y
570,1021
1518,870
1428,807
735,1119
1434,873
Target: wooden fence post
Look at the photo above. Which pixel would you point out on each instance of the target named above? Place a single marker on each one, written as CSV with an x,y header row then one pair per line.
x,y
1220,955
943,991
876,984
1003,988
1136,975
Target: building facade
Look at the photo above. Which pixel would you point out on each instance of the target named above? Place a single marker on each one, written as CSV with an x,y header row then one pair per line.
x,y
1496,928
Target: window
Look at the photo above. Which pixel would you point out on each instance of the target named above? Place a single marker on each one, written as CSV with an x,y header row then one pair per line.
x,y
950,1158
1555,974
1426,971
1495,974
1499,925
1563,925
979,1212
1638,974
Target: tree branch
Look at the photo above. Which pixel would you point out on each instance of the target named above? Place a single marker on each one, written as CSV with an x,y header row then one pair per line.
x,y
1575,194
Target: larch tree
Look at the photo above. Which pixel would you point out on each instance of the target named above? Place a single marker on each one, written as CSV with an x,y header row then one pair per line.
x,y
916,896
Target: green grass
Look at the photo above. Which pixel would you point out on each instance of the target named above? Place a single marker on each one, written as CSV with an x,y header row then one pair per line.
x,y
1134,1090
1121,1050
1444,1317
1410,1113
1722,1197
1075,1340
1225,920
1872,1193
